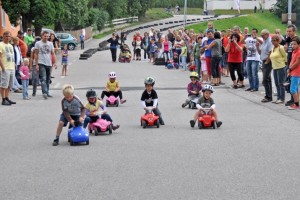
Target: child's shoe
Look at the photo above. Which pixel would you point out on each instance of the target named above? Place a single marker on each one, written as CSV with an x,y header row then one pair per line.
x,y
293,107
161,122
115,127
192,122
123,101
184,105
219,123
55,142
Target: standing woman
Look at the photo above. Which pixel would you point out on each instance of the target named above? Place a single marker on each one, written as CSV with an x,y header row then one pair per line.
x,y
278,58
145,44
166,46
235,59
114,42
196,53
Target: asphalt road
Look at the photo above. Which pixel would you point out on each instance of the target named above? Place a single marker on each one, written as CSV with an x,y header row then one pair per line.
x,y
255,155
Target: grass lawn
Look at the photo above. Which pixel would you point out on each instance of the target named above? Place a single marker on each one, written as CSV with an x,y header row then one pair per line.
x,y
258,20
233,12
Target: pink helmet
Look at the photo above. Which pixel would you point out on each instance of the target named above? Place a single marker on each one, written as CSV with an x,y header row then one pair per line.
x,y
112,75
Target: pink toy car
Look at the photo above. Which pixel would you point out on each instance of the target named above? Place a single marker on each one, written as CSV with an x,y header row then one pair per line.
x,y
112,101
101,125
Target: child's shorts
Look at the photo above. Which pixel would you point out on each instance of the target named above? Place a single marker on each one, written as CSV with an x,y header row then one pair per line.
x,y
64,62
64,119
295,81
152,54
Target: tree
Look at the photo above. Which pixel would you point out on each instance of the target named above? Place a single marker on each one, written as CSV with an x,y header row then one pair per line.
x,y
281,6
15,9
75,15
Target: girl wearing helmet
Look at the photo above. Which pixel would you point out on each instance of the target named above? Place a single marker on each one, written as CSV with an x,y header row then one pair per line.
x,y
193,88
206,102
113,88
92,108
150,99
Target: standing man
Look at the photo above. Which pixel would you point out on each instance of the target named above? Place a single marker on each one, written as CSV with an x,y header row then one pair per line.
x,y
252,62
264,50
82,36
291,34
7,65
28,38
43,52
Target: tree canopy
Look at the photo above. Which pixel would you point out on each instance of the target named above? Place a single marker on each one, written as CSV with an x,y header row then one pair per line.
x,y
282,7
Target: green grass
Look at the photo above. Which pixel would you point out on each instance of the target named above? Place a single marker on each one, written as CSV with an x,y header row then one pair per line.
x,y
157,14
233,12
258,20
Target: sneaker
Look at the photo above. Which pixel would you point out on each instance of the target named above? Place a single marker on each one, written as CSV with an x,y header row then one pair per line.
x,y
293,107
192,122
248,89
115,127
10,101
18,91
184,105
289,103
55,142
26,98
45,96
279,101
6,103
123,101
219,123
254,90
162,123
274,101
48,95
235,87
33,94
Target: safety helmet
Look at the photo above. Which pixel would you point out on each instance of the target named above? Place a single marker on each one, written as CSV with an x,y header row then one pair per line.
x,y
149,81
208,87
112,75
91,94
194,75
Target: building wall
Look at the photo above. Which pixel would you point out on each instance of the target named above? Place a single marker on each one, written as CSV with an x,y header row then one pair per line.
x,y
244,4
5,24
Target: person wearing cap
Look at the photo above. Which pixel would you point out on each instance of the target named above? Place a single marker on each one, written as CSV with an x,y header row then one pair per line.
x,y
28,37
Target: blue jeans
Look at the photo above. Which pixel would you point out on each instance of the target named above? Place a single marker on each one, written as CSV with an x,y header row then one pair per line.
x,y
25,88
16,84
279,79
183,62
198,66
35,79
45,72
252,72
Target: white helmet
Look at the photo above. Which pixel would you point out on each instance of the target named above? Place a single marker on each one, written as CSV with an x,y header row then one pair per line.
x,y
112,75
208,87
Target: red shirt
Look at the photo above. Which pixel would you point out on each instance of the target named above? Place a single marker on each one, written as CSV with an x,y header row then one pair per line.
x,y
295,55
225,41
23,48
234,55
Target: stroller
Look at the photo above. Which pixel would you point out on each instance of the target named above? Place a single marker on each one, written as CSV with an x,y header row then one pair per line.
x,y
125,54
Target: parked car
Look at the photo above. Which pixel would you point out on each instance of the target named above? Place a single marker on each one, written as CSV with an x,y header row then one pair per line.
x,y
68,39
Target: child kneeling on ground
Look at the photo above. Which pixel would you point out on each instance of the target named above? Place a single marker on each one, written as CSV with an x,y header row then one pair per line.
x,y
73,111
206,102
150,99
92,108
113,88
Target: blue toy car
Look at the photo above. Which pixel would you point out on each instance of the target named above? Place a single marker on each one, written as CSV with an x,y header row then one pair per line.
x,y
78,134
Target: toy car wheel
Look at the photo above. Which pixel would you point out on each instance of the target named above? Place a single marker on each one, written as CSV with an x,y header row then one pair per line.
x,y
87,142
110,129
144,124
69,138
157,123
214,125
106,104
200,125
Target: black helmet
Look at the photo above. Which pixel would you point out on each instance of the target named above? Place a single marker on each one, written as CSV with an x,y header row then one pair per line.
x,y
91,94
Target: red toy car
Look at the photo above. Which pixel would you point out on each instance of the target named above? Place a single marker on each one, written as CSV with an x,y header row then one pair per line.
x,y
207,121
149,119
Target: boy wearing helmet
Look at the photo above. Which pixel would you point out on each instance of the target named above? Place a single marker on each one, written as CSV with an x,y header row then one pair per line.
x,y
206,102
150,99
193,88
113,88
92,107
73,111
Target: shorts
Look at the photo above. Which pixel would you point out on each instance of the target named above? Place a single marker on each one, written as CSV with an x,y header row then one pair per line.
x,y
7,78
295,81
65,121
203,66
152,54
64,62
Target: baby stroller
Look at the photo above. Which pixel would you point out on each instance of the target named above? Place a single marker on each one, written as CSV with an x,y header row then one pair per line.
x,y
125,54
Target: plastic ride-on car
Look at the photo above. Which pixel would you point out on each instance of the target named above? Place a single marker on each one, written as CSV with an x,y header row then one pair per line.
x,y
112,101
206,120
149,119
78,134
100,126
